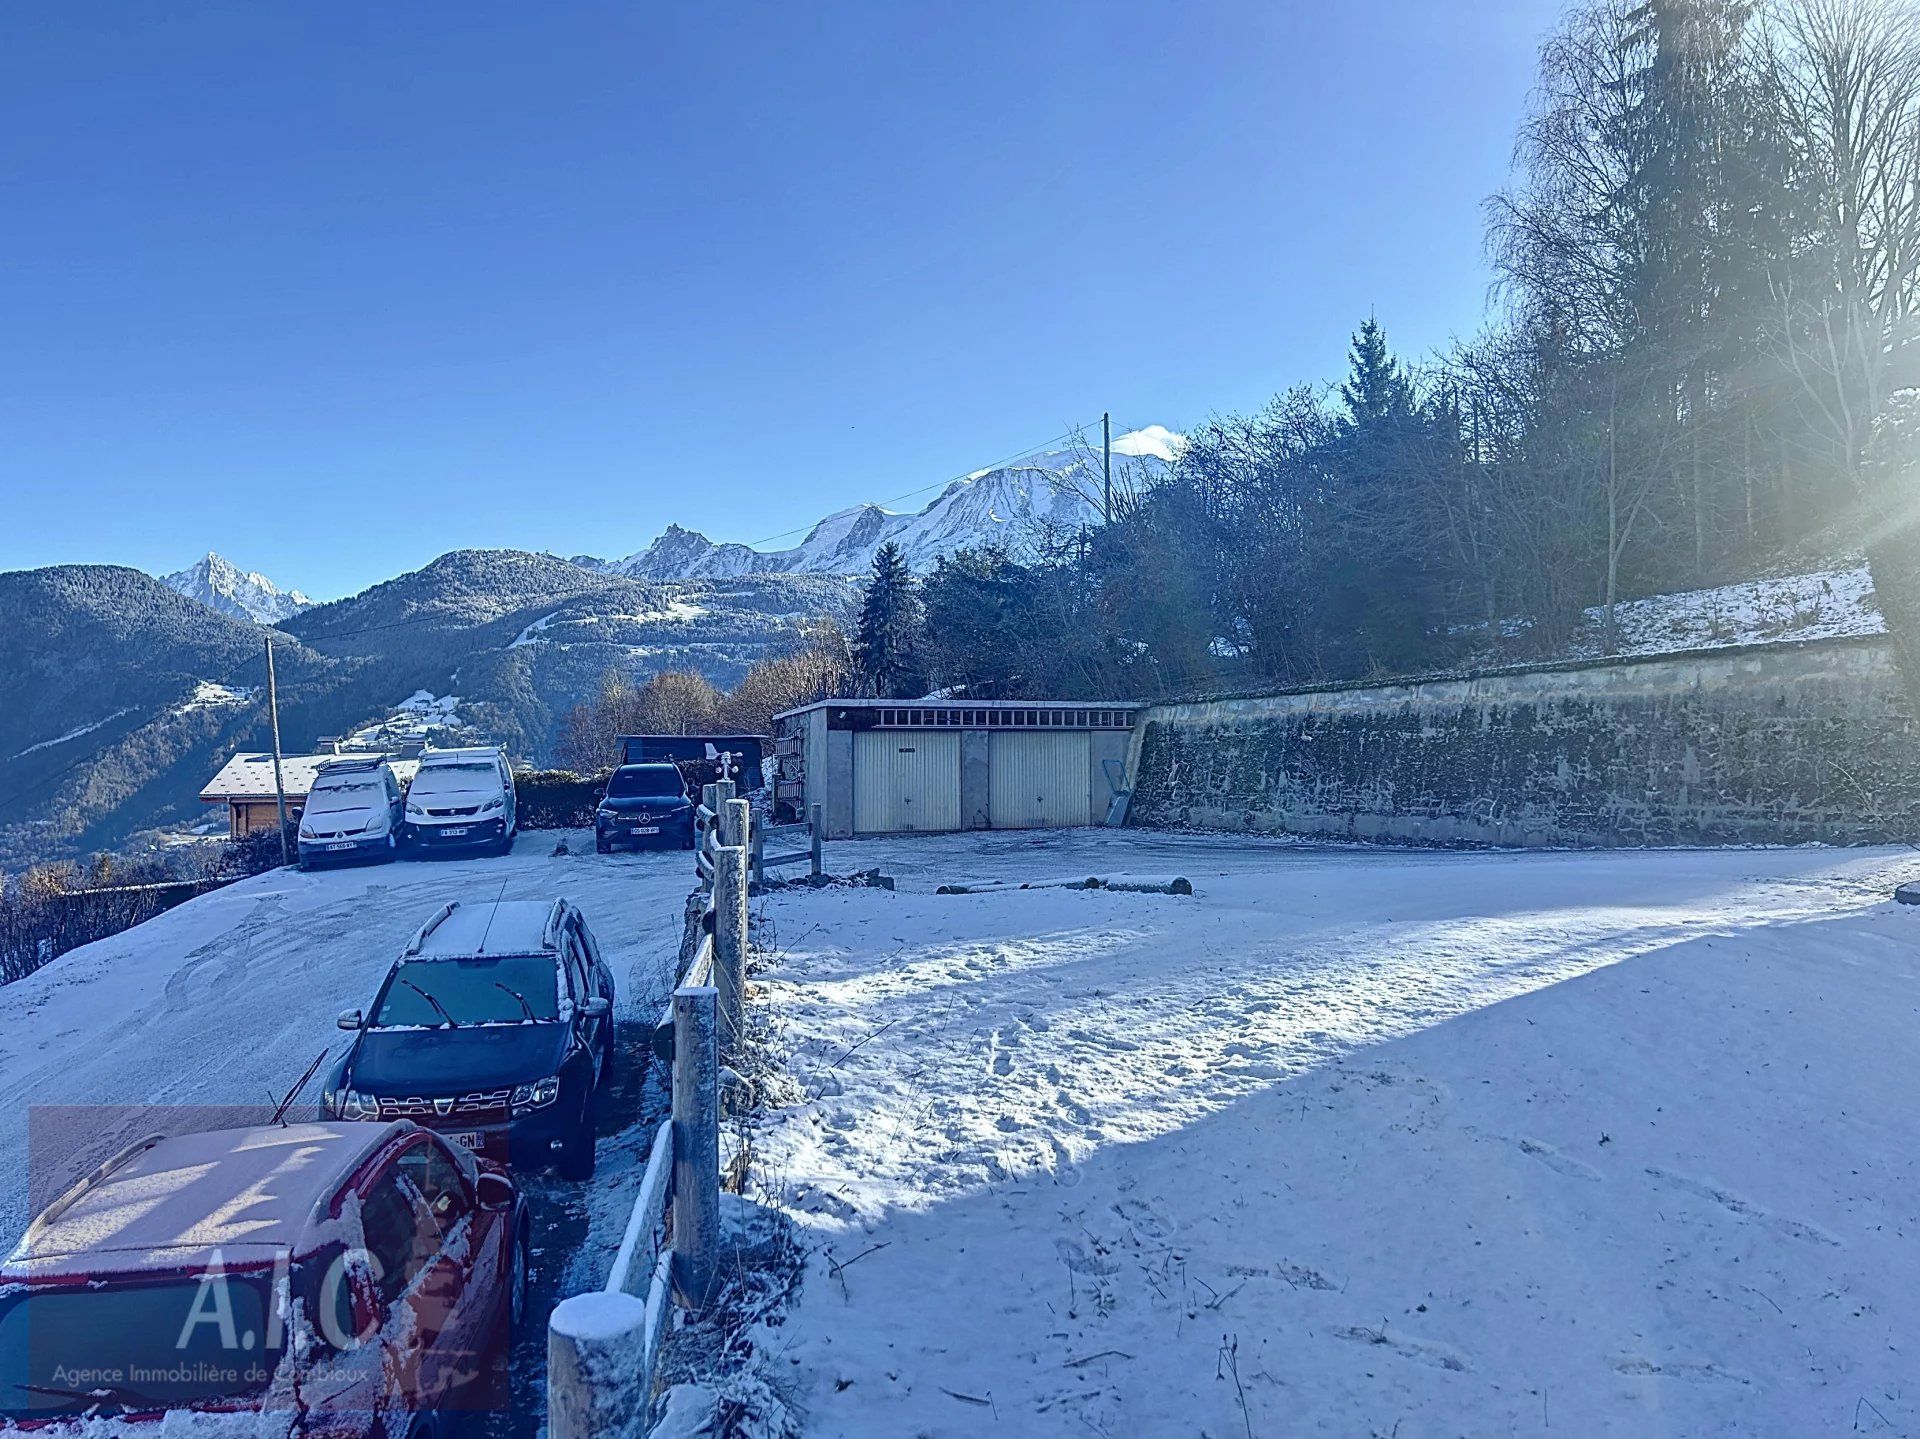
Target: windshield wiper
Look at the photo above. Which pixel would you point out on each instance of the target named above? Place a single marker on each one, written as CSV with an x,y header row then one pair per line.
x,y
438,1008
128,1399
526,1008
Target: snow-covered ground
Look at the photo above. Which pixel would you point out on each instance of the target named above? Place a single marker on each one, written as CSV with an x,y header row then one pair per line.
x,y
227,999
1822,604
1350,1142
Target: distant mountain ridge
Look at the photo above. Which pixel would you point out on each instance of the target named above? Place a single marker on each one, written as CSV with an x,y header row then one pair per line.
x,y
136,687
1015,506
130,693
240,594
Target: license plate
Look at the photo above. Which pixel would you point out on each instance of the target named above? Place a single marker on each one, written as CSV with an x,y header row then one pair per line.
x,y
645,829
454,831
340,846
468,1140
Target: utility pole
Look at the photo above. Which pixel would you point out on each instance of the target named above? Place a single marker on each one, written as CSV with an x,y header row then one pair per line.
x,y
279,784
1106,466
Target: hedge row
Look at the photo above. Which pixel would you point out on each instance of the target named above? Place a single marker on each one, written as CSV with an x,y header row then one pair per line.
x,y
558,798
36,930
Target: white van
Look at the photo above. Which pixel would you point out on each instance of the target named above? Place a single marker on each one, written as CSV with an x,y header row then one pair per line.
x,y
463,799
352,812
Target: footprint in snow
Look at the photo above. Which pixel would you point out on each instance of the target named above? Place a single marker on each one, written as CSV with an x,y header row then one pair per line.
x,y
1145,1221
1538,1149
1301,1277
1434,1354
1735,1205
1073,1108
1708,1373
1082,1260
1560,1163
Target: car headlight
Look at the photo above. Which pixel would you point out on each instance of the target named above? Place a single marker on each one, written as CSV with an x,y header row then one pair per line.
x,y
418,811
493,804
603,813
354,1105
537,1095
305,833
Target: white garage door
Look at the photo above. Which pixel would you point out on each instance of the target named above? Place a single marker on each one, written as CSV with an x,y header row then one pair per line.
x,y
906,781
1039,779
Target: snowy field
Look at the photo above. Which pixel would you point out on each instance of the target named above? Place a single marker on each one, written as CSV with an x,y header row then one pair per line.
x,y
1351,1142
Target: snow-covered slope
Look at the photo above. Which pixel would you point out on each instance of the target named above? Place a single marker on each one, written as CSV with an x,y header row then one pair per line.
x,y
242,594
1821,605
1014,506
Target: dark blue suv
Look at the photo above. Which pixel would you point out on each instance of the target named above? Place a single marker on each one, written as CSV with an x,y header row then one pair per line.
x,y
644,804
494,1028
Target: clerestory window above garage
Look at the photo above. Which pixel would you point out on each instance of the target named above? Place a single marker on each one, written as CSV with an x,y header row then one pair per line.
x,y
1002,717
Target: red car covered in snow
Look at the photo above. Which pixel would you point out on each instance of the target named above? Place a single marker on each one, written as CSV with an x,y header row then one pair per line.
x,y
359,1279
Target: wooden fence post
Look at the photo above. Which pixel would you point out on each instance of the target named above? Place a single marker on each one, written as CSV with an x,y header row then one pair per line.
x,y
593,1387
696,1145
730,942
735,819
816,821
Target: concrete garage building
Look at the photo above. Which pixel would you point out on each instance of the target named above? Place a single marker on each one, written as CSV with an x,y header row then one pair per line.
x,y
898,767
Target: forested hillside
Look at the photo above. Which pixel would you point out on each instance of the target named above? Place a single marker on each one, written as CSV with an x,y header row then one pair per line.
x,y
131,694
124,696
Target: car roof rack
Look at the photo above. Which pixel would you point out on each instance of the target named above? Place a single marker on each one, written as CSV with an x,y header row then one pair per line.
x,y
352,763
72,1196
460,753
420,934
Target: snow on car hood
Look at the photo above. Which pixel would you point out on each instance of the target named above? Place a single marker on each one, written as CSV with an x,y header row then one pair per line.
x,y
347,817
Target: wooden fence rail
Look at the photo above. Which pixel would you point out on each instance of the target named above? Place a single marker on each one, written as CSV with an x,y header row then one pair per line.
x,y
603,1347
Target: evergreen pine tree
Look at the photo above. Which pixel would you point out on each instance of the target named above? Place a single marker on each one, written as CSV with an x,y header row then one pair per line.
x,y
1379,391
1383,449
886,644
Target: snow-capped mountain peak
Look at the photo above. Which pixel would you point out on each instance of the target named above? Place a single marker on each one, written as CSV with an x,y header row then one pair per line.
x,y
1013,506
243,594
1153,442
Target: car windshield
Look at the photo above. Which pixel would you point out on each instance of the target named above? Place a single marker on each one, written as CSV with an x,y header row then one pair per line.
x,y
137,1347
332,794
454,778
646,781
438,993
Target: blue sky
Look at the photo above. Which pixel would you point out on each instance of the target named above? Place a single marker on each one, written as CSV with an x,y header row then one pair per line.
x,y
335,288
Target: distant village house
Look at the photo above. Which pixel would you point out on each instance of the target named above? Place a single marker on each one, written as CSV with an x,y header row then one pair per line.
x,y
245,786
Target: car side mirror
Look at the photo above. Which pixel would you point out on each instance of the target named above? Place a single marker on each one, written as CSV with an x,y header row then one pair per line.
x,y
351,1019
595,1008
495,1191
